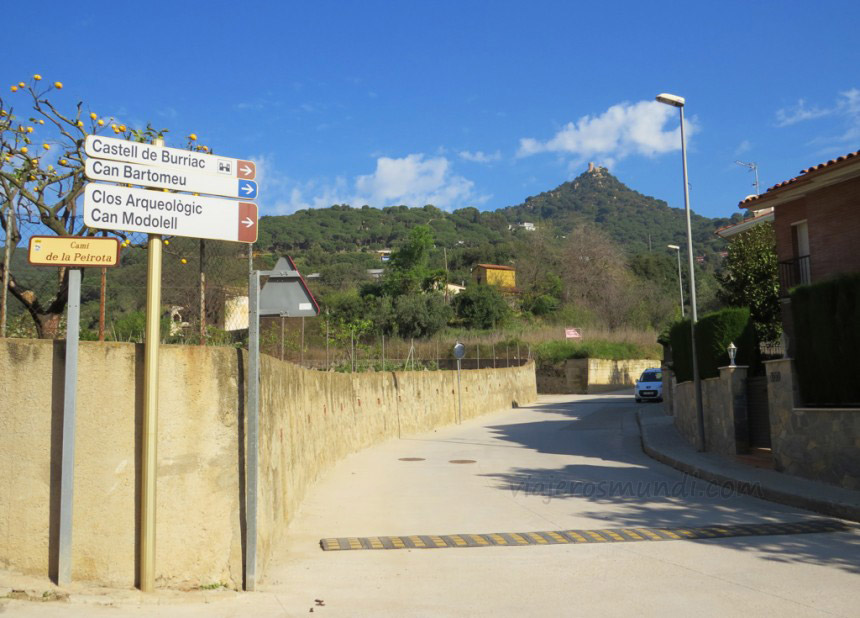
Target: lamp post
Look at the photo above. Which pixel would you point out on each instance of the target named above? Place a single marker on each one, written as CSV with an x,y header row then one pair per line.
x,y
680,283
676,101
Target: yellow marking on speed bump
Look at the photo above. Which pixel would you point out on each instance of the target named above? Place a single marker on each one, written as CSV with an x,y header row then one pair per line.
x,y
458,540
537,538
498,539
438,541
614,535
583,536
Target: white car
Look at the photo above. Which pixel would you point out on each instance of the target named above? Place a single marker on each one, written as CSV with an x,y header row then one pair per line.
x,y
649,386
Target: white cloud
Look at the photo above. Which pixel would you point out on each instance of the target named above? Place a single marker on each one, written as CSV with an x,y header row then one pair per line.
x,y
480,156
744,146
846,109
413,180
788,116
620,131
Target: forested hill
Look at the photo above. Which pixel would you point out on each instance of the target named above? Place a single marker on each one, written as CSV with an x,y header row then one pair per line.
x,y
629,217
596,197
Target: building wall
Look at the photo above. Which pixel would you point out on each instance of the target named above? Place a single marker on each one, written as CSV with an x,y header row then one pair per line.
x,y
591,375
833,218
498,277
308,421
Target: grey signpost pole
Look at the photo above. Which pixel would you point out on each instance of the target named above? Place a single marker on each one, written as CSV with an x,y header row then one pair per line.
x,y
67,466
253,420
459,352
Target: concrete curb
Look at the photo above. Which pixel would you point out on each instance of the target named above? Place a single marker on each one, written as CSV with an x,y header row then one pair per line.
x,y
752,482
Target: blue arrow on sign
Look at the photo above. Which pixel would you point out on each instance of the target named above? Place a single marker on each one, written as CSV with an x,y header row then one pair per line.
x,y
247,188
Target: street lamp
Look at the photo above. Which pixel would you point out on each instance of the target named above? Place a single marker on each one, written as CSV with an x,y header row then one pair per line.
x,y
676,101
680,283
732,350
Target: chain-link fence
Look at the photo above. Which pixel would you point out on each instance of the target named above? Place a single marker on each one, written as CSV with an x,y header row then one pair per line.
x,y
204,289
317,343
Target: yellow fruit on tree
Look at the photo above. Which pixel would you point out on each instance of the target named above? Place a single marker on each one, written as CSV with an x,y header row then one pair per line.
x,y
122,127
101,122
37,77
14,88
23,150
192,137
22,85
62,162
29,129
184,261
80,123
41,121
58,85
93,115
166,242
46,146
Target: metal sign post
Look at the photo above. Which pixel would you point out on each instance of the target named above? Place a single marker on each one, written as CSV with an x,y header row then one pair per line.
x,y
73,252
253,424
67,465
285,294
459,353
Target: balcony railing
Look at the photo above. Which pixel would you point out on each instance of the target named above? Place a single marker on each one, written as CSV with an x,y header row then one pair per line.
x,y
793,273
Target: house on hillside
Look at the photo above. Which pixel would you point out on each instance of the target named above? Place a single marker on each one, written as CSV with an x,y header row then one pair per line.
x,y
816,217
504,277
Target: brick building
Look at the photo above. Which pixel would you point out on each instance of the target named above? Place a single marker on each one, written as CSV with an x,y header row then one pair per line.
x,y
816,217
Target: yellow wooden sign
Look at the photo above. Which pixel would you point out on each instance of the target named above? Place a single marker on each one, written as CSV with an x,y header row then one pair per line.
x,y
76,251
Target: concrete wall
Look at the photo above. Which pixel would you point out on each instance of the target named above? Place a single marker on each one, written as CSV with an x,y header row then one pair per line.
x,y
591,375
308,421
817,443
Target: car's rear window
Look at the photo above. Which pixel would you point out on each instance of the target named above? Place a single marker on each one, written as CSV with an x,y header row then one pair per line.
x,y
651,376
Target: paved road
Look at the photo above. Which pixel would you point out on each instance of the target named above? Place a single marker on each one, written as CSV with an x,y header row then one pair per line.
x,y
567,462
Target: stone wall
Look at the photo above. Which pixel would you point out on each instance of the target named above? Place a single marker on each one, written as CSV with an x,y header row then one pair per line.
x,y
724,411
308,420
591,375
817,443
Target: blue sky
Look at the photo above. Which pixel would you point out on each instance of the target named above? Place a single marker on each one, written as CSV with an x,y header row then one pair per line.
x,y
464,103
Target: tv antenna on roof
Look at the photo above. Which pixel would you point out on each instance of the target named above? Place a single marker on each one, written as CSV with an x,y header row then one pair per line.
x,y
753,167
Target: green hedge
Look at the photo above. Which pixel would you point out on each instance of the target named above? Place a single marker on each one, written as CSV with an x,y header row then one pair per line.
x,y
552,352
714,332
827,340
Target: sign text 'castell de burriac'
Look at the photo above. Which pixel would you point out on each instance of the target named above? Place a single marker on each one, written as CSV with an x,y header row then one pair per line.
x,y
113,207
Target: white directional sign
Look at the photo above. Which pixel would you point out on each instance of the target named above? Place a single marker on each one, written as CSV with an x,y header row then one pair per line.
x,y
145,175
174,158
109,207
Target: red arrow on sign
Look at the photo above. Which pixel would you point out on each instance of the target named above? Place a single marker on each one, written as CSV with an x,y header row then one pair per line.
x,y
247,222
246,170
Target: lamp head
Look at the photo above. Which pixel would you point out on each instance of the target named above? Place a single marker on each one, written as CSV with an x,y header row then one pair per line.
x,y
671,99
675,247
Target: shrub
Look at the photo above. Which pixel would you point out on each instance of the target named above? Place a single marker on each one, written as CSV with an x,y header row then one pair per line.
x,y
827,340
714,332
552,352
480,306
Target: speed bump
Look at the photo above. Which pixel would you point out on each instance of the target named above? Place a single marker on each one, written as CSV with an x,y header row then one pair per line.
x,y
575,537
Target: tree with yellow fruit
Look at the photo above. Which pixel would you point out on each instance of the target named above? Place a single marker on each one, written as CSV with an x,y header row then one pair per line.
x,y
44,184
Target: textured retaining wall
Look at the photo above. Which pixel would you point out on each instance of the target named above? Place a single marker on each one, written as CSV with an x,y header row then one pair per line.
x,y
718,408
591,375
308,420
817,443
